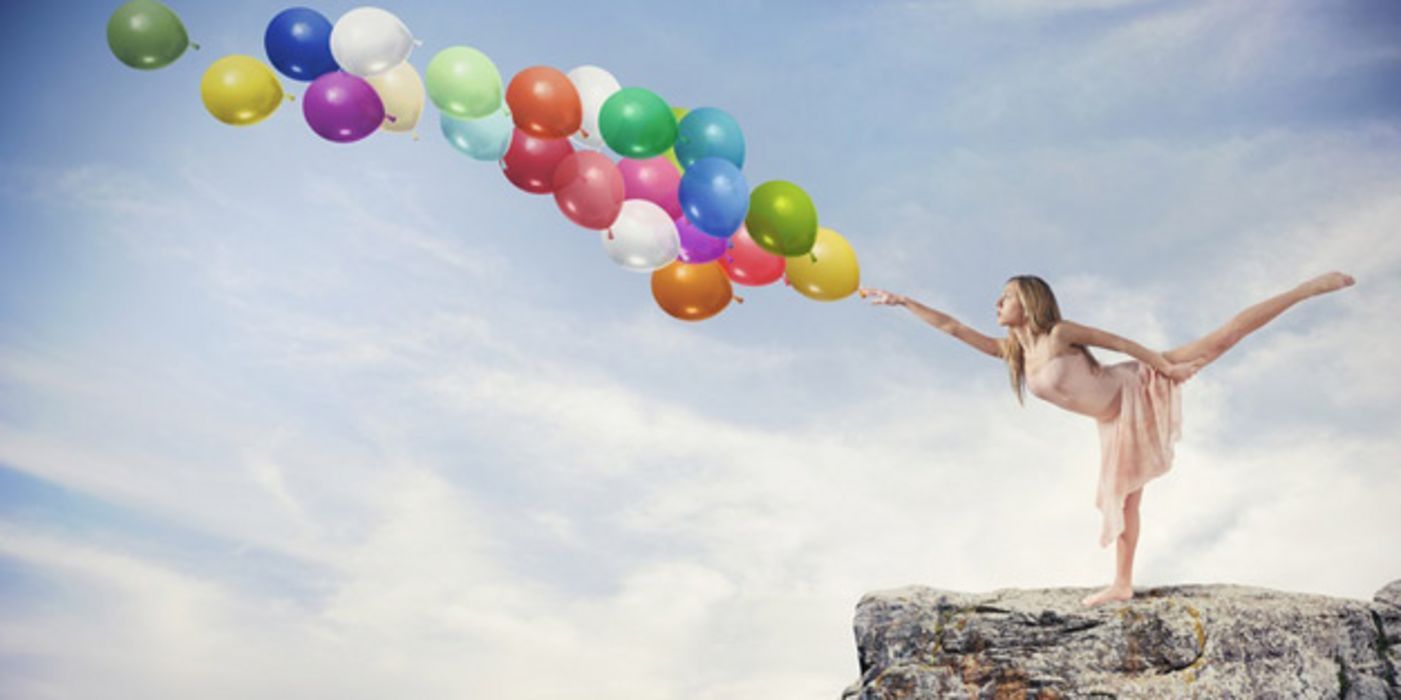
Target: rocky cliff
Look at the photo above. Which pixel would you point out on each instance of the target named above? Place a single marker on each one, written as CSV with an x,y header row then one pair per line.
x,y
1206,641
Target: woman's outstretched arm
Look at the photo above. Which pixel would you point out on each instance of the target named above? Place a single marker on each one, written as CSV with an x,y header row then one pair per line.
x,y
938,319
1072,333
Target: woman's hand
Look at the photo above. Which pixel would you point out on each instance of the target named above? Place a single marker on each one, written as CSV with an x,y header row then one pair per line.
x,y
880,297
1181,371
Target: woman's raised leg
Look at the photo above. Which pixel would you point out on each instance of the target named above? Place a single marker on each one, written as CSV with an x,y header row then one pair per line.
x,y
1214,344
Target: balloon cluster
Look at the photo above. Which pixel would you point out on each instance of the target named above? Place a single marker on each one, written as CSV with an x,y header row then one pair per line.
x,y
675,203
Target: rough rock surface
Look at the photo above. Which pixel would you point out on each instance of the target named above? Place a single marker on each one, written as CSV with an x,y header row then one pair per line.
x,y
1201,641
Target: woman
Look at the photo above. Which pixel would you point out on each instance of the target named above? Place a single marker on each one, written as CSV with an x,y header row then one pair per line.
x,y
1137,403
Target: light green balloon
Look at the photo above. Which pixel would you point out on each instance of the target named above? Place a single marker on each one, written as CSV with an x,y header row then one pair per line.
x,y
146,34
463,82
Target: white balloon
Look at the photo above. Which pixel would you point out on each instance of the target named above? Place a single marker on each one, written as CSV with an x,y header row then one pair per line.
x,y
595,86
367,41
643,238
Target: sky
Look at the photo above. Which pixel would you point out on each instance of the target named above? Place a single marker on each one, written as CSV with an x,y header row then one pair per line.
x,y
291,418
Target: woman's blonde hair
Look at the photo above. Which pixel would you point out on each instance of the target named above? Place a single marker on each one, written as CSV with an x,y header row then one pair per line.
x,y
1042,314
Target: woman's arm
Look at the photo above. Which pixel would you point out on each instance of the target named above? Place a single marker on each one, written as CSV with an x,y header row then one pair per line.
x,y
938,319
1075,334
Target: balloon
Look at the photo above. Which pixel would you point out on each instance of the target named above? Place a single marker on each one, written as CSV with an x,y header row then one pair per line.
x,y
828,272
484,139
368,40
588,189
146,34
342,107
707,132
636,123
643,238
544,103
654,180
298,42
698,246
530,162
748,264
240,90
463,82
401,91
680,113
714,196
595,86
691,292
782,219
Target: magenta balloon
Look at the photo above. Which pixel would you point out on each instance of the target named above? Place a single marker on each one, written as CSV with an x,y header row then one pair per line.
x,y
342,107
589,189
697,246
653,179
530,162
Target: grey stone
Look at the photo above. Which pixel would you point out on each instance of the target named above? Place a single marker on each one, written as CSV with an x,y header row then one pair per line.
x,y
1190,641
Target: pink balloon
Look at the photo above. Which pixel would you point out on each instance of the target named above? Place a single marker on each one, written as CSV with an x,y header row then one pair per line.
x,y
589,189
746,263
653,179
530,162
697,246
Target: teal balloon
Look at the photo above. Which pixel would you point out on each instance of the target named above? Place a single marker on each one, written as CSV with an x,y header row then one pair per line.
x,y
709,133
636,123
487,138
146,34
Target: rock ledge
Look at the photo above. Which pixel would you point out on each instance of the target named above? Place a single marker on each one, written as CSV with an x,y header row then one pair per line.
x,y
1207,641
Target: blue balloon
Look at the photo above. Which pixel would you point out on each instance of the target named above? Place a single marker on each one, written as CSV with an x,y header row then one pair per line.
x,y
298,41
714,196
487,138
709,132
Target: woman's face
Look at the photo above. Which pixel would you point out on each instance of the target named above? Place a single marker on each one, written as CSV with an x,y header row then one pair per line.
x,y
1009,308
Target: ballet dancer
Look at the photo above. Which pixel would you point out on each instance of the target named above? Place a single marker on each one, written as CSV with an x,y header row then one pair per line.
x,y
1137,404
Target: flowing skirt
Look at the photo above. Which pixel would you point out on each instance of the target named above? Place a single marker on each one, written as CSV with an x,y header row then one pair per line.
x,y
1136,444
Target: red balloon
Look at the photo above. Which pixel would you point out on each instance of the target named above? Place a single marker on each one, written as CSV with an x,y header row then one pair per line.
x,y
544,103
589,189
748,264
530,162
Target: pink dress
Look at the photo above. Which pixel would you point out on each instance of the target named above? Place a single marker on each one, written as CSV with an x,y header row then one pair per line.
x,y
1139,412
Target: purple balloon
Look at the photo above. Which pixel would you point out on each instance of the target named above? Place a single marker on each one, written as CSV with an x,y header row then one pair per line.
x,y
342,107
697,246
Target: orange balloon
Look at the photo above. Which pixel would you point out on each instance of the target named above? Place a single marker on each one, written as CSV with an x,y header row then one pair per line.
x,y
692,292
544,103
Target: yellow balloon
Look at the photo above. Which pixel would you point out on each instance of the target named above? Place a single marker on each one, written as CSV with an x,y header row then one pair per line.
x,y
680,113
240,90
826,273
401,91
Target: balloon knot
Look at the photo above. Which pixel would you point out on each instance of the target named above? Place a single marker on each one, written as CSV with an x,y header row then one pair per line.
x,y
194,46
738,299
391,118
418,42
291,98
610,234
415,135
812,257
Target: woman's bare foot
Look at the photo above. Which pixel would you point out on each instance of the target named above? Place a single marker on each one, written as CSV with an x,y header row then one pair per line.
x,y
1112,592
1327,282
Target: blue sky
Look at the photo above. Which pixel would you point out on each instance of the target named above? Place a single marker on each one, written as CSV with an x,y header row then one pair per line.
x,y
280,416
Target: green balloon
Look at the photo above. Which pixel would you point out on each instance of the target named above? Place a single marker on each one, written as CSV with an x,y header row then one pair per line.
x,y
464,83
635,123
146,34
781,218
